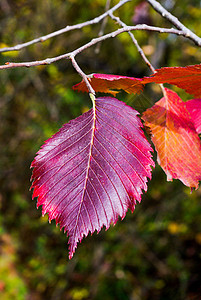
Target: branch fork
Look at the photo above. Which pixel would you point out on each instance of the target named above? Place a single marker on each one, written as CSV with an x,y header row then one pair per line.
x,y
180,31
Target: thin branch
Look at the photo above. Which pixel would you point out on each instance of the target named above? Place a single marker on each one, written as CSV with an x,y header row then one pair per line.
x,y
65,29
93,42
138,47
103,24
82,74
117,19
165,14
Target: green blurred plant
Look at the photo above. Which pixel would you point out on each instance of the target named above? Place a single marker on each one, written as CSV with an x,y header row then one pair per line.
x,y
152,254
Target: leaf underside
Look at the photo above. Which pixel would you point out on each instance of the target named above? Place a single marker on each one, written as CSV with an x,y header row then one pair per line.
x,y
175,139
111,84
93,169
187,78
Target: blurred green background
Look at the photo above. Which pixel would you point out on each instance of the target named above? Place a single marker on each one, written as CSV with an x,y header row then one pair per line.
x,y
154,253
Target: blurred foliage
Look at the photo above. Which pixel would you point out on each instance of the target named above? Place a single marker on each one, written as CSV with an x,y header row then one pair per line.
x,y
154,253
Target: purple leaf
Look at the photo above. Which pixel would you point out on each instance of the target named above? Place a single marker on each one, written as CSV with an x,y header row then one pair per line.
x,y
93,169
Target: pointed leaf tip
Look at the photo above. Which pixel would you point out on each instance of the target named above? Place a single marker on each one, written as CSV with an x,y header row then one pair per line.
x,y
93,169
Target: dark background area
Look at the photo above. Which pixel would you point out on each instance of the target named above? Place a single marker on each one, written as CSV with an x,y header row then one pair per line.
x,y
154,253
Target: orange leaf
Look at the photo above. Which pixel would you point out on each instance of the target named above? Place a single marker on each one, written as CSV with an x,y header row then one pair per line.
x,y
175,139
111,84
187,78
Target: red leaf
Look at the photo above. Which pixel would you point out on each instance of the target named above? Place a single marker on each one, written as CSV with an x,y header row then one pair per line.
x,y
187,78
111,84
93,169
176,141
194,107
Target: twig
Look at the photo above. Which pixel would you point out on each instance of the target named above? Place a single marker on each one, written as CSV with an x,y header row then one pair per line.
x,y
138,47
165,14
117,19
103,24
82,74
63,30
93,42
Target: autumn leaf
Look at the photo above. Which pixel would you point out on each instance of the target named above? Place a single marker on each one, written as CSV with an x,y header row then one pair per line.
x,y
175,139
194,107
187,78
93,169
112,84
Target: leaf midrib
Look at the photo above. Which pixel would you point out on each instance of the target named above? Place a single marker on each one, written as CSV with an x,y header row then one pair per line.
x,y
88,167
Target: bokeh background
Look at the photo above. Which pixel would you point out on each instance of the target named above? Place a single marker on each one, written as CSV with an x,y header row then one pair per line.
x,y
154,253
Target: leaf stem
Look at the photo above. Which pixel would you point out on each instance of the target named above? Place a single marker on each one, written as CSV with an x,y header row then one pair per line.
x,y
93,99
83,75
121,23
141,52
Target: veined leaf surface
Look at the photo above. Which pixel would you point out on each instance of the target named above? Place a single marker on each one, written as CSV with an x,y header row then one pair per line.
x,y
111,84
93,169
194,107
187,78
175,139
